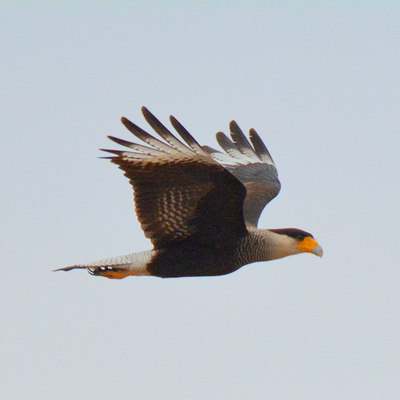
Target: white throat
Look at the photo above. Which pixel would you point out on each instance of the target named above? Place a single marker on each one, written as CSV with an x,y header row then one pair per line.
x,y
280,245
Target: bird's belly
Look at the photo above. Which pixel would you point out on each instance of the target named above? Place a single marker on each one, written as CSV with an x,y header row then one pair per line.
x,y
182,261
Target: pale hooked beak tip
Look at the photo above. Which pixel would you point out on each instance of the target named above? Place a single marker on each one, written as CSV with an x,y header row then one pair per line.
x,y
317,250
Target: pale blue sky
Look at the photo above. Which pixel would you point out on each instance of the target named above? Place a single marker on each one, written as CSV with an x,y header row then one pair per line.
x,y
319,81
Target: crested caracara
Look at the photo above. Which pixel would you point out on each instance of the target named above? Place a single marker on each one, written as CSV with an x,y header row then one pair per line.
x,y
199,206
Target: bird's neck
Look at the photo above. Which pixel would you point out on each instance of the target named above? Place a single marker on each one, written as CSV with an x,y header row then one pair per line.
x,y
268,245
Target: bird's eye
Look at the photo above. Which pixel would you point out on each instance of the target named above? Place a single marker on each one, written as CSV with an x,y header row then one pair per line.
x,y
300,237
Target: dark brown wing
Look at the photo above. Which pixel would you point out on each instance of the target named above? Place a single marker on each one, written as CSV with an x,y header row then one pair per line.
x,y
252,165
179,190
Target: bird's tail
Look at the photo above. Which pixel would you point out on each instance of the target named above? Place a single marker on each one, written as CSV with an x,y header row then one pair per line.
x,y
117,267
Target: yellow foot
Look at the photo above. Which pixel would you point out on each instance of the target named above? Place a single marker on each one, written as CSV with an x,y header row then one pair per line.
x,y
110,272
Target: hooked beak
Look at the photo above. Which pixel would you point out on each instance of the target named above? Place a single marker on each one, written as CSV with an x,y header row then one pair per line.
x,y
310,245
317,250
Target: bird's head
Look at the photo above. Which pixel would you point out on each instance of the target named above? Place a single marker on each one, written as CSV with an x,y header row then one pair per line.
x,y
301,241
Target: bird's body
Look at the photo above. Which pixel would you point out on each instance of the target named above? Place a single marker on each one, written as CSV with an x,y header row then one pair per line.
x,y
199,207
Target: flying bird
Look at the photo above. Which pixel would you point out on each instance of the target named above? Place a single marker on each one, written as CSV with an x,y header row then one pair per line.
x,y
199,206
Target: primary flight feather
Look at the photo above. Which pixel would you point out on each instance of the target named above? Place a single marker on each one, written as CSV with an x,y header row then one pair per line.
x,y
199,206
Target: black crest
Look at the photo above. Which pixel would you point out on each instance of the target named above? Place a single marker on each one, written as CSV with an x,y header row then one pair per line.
x,y
293,232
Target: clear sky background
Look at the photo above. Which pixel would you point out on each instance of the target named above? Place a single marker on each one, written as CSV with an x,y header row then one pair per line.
x,y
320,81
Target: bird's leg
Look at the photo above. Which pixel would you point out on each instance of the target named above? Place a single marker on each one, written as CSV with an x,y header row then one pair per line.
x,y
111,272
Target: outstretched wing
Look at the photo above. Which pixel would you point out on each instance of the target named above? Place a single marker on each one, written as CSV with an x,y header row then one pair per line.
x,y
180,192
252,165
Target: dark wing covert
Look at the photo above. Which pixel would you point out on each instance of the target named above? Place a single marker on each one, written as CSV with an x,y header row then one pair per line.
x,y
180,192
